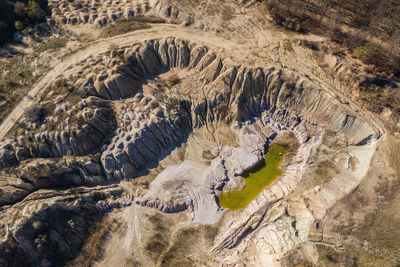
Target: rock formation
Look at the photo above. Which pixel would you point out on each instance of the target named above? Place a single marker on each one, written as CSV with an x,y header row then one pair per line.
x,y
133,116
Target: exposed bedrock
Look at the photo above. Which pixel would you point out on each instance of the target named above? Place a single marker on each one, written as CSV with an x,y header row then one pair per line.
x,y
49,227
36,174
145,140
214,90
123,142
77,130
220,89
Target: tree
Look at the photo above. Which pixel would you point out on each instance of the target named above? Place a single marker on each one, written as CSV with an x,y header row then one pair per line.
x,y
19,9
34,12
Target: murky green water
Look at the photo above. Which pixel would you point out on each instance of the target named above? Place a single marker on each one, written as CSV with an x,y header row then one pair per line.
x,y
255,180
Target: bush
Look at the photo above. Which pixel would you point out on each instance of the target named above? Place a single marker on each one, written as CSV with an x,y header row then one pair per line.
x,y
19,26
34,113
172,80
365,53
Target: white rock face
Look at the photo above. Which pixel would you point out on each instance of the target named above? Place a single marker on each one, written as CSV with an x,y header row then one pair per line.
x,y
188,185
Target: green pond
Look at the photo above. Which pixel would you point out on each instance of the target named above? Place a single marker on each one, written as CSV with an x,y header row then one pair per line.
x,y
255,180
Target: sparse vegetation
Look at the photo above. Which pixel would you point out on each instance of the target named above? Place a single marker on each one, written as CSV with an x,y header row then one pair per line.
x,y
368,29
173,104
52,44
366,53
323,172
125,26
178,253
93,247
34,113
172,80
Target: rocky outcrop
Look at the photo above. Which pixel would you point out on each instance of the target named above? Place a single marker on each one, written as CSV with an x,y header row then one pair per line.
x,y
221,91
188,186
53,225
96,12
80,130
220,85
149,134
47,173
133,117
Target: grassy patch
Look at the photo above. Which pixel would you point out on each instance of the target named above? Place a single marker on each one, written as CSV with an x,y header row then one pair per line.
x,y
227,13
159,240
172,81
178,253
93,248
124,26
330,257
366,53
323,172
15,78
52,44
295,258
156,245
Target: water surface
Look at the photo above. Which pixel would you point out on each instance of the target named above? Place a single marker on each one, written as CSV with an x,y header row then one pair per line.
x,y
255,180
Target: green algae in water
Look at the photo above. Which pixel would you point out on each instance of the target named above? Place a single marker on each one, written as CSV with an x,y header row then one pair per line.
x,y
255,180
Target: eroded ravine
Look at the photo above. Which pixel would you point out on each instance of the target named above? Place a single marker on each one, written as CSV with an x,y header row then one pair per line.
x,y
128,120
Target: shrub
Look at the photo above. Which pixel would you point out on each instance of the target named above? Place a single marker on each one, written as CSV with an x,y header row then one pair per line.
x,y
34,113
19,25
365,53
172,81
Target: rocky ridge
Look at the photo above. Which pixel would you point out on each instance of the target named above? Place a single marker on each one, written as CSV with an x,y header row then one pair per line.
x,y
126,123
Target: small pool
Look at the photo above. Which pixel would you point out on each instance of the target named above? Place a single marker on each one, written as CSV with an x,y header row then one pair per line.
x,y
255,180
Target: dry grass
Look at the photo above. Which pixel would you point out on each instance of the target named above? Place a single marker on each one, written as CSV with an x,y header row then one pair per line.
x,y
323,172
187,243
172,80
16,80
52,44
93,247
159,241
125,26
